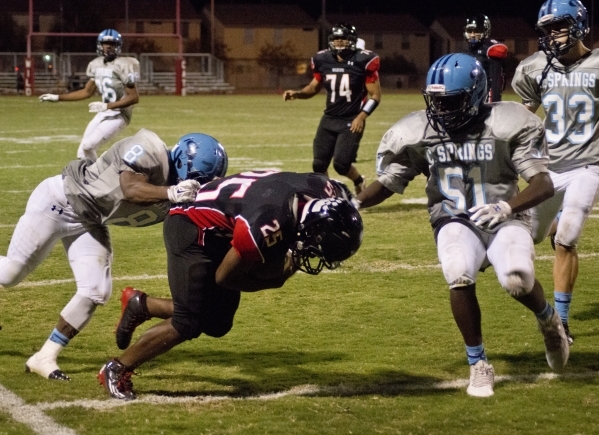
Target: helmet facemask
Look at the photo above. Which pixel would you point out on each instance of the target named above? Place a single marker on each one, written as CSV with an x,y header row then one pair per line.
x,y
330,231
112,38
477,30
456,87
552,29
343,39
448,111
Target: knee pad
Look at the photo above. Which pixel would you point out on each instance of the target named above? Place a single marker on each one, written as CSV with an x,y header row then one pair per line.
x,y
79,311
12,272
320,166
570,226
517,286
341,168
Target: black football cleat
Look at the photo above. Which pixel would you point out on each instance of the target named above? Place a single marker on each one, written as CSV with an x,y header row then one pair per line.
x,y
133,314
116,380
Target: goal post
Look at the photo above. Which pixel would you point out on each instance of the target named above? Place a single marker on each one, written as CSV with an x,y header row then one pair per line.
x,y
179,66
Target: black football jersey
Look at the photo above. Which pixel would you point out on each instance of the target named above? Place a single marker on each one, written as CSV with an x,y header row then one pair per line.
x,y
255,212
491,54
345,82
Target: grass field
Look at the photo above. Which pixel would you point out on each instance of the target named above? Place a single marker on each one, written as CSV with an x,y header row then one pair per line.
x,y
370,348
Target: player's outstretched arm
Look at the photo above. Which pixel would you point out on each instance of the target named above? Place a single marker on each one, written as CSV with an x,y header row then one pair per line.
x,y
308,91
374,194
81,94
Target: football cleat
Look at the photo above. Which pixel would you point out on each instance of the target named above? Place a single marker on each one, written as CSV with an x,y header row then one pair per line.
x,y
557,349
116,380
45,367
133,314
568,335
482,379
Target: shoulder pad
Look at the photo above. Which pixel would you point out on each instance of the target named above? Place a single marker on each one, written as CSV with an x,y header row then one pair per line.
x,y
497,51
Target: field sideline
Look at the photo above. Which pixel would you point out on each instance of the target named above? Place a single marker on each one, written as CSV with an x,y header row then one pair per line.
x,y
369,348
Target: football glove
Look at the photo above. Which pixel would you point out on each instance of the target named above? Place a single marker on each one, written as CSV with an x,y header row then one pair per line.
x,y
97,106
48,97
490,214
185,191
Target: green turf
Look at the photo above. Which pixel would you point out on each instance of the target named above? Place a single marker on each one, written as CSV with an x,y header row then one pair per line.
x,y
372,340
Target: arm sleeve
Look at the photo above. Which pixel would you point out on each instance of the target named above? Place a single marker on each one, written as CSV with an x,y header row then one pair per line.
x,y
372,70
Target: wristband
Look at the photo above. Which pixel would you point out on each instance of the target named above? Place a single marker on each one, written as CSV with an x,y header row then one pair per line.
x,y
370,106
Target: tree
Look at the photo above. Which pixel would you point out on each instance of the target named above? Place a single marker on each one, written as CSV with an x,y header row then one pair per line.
x,y
279,59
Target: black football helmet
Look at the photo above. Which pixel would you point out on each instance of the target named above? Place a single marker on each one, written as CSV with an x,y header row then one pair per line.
x,y
345,32
330,231
478,23
112,37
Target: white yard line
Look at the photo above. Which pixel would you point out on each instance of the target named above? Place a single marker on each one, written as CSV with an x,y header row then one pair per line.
x,y
31,416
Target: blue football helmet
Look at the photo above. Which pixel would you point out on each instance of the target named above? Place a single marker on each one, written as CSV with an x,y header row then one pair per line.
x,y
346,32
109,36
556,15
330,231
199,157
456,87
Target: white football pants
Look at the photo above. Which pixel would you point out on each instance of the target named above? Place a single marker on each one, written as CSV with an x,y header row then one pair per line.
x,y
462,254
575,193
103,127
49,218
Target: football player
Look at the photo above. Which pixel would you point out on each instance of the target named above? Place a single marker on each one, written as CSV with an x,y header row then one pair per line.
x,y
489,52
115,79
132,184
473,154
350,77
562,78
256,229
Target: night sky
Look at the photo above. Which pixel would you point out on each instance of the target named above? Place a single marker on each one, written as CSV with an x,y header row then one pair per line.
x,y
424,10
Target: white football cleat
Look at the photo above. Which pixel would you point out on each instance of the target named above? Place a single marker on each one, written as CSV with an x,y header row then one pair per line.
x,y
45,367
482,379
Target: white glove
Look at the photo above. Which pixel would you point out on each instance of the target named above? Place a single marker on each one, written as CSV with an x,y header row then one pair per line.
x,y
185,191
48,97
356,203
490,213
97,106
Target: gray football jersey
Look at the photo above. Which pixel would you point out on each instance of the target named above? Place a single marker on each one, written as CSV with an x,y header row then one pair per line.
x,y
571,104
112,77
93,188
478,166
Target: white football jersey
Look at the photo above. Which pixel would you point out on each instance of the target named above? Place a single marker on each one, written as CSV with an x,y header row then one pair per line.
x,y
478,165
112,77
93,188
571,104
